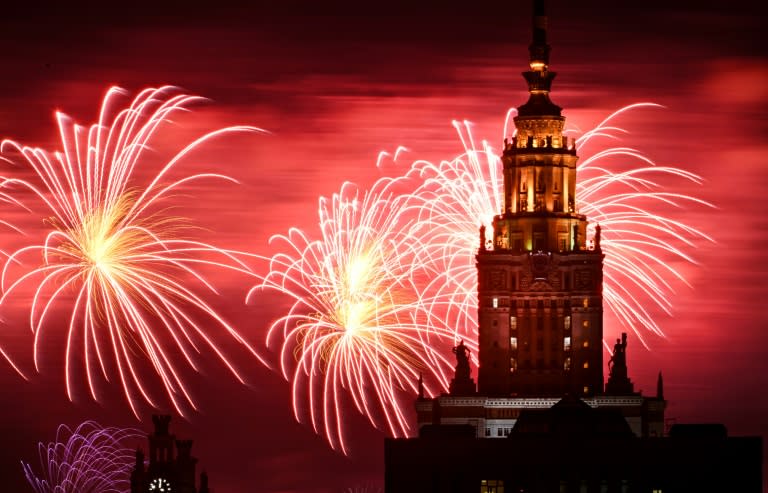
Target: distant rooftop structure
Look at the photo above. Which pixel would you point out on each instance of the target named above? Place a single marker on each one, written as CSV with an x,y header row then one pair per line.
x,y
171,466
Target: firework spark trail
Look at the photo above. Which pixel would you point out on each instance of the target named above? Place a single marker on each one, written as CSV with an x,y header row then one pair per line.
x,y
453,199
113,257
640,242
90,459
355,328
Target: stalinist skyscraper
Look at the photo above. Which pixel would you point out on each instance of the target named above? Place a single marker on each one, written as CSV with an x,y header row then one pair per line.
x,y
540,284
541,417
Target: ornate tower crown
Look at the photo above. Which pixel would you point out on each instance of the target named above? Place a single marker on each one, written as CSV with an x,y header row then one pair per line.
x,y
540,286
539,166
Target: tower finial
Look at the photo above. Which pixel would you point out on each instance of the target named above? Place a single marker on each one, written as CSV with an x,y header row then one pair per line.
x,y
539,49
539,77
660,387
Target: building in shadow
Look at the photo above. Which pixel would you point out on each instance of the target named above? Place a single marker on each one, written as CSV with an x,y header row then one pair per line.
x,y
572,447
541,416
171,466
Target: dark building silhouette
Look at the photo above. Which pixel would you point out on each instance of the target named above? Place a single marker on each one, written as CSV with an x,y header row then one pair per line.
x,y
573,448
541,418
171,466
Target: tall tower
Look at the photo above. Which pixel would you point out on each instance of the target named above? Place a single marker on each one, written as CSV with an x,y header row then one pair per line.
x,y
540,299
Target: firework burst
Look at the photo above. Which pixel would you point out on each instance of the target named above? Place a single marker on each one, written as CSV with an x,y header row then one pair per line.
x,y
112,257
640,243
354,327
90,459
454,197
641,237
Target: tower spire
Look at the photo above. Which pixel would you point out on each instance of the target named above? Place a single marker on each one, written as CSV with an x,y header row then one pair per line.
x,y
540,325
539,77
660,387
539,49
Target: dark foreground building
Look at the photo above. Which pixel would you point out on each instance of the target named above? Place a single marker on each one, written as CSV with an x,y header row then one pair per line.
x,y
573,448
541,418
171,467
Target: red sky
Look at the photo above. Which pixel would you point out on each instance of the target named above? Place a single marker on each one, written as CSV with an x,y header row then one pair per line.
x,y
334,90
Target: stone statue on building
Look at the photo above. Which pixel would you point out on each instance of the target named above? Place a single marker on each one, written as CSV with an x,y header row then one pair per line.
x,y
618,362
597,238
618,379
462,383
462,360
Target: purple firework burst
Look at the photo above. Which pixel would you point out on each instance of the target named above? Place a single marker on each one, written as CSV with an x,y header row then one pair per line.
x,y
90,459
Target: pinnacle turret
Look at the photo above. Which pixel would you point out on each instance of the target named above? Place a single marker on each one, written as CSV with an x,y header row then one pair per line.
x,y
539,77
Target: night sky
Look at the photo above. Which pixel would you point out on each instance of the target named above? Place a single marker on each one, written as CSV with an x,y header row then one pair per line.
x,y
337,84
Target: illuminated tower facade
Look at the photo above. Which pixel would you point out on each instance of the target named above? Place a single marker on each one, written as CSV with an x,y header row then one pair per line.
x,y
540,285
539,278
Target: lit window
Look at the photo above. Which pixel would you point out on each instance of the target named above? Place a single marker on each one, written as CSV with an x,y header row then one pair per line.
x,y
513,323
586,344
586,389
513,343
567,322
585,324
586,364
491,486
495,302
585,302
656,490
567,364
512,365
567,343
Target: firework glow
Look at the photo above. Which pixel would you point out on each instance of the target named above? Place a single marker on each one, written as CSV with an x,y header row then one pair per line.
x,y
355,326
90,459
617,187
392,281
113,257
452,200
641,236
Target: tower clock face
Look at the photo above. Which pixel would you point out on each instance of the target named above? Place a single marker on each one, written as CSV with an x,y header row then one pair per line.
x,y
160,485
